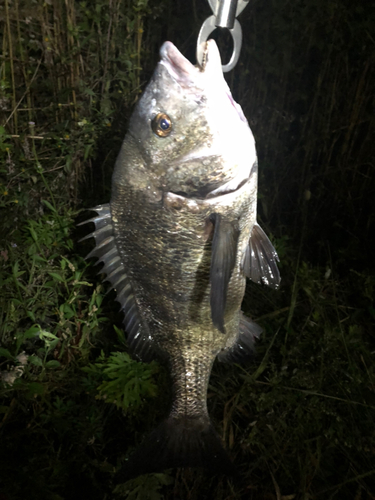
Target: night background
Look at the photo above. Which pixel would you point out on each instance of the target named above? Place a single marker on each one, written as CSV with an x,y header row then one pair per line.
x,y
298,421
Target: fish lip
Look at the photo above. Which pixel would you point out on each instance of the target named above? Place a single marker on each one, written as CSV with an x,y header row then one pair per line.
x,y
209,198
187,75
217,193
195,205
180,68
212,195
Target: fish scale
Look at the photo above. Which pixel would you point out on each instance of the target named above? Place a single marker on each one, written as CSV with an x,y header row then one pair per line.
x,y
161,280
177,241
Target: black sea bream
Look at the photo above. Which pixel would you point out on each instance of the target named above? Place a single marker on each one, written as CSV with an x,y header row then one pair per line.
x,y
178,239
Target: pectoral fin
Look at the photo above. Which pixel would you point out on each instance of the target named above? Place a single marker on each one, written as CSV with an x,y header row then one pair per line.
x,y
260,258
224,248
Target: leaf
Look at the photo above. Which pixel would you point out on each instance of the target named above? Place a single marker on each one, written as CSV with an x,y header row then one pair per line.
x,y
33,331
53,344
4,352
126,382
35,388
33,234
56,277
99,300
48,205
47,335
120,334
31,315
16,272
68,311
87,151
35,360
38,258
89,92
53,363
32,249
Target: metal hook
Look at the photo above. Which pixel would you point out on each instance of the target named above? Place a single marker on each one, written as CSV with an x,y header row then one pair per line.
x,y
207,28
225,13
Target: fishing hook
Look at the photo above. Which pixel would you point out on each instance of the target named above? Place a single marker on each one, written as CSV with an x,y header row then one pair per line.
x,y
224,16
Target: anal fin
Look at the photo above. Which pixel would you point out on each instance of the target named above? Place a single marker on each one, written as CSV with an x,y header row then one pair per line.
x,y
243,348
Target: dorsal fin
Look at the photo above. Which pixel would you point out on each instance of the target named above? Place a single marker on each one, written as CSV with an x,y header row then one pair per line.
x,y
138,335
259,263
224,249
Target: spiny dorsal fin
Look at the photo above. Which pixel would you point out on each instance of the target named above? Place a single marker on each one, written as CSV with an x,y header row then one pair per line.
x,y
138,335
224,249
259,263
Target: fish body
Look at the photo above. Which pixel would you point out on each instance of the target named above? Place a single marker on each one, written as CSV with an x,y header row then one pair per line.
x,y
178,239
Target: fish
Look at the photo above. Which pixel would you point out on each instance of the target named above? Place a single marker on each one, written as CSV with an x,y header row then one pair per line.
x,y
177,241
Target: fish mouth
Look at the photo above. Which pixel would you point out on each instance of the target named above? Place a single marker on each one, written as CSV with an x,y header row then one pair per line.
x,y
185,73
205,194
211,193
177,65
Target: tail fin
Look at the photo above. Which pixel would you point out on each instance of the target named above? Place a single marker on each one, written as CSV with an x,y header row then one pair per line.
x,y
179,442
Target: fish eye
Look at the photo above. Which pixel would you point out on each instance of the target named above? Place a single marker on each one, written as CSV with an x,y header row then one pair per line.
x,y
161,125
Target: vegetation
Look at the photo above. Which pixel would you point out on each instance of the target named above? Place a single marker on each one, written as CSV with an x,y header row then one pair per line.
x,y
73,404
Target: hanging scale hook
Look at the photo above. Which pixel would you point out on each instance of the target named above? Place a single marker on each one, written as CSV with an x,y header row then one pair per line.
x,y
224,16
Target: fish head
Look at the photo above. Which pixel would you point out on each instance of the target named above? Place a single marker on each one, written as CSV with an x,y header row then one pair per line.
x,y
191,137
